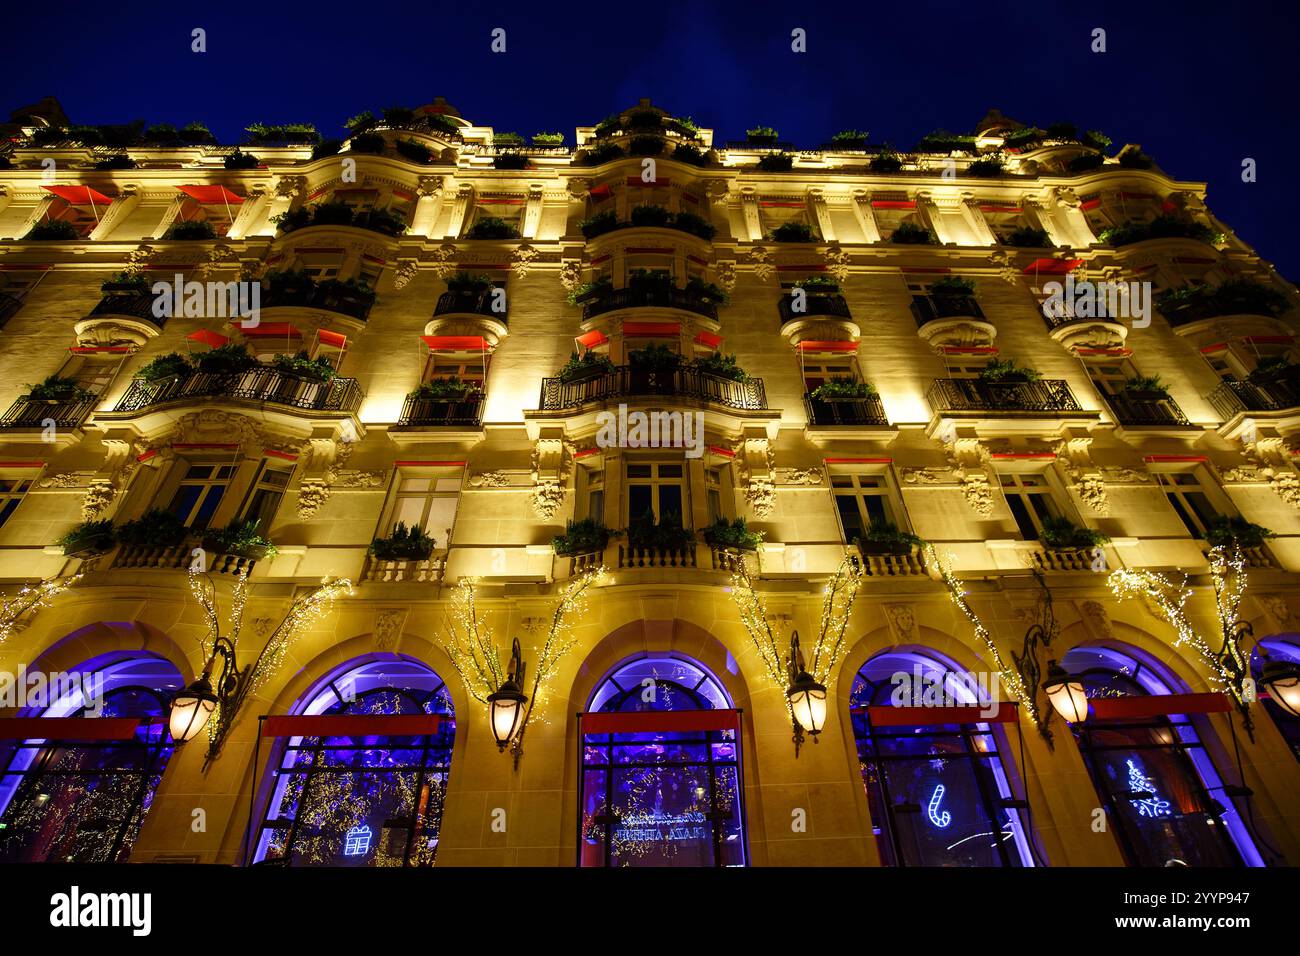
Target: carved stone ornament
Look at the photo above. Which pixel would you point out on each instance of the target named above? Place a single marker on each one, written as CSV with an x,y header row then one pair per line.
x,y
444,259
570,274
99,495
928,476
761,496
803,476
902,621
521,259
406,270
761,261
1097,620
389,624
977,489
547,498
725,270
489,479
837,263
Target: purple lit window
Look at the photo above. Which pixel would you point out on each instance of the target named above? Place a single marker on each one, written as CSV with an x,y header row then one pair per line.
x,y
939,794
1161,790
661,798
365,800
69,801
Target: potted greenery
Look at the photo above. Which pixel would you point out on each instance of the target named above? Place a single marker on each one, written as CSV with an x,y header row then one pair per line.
x,y
842,388
987,167
1161,227
722,366
705,291
776,163
667,534
448,389
648,215
239,538
762,136
548,139
241,160
1028,237
686,153
591,365
302,365
370,143
654,358
88,538
57,229
645,146
403,544
909,233
599,224
850,138
792,232
492,227
582,537
586,291
135,283
884,537
191,229
732,535
470,283
229,359
1271,369
1225,531
1146,388
695,225
887,161
1007,372
164,367
413,150
601,154
1062,534
952,286
55,390
153,529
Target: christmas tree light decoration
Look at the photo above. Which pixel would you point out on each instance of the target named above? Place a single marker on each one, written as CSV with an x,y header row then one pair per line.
x,y
233,685
1011,678
1140,783
31,599
473,653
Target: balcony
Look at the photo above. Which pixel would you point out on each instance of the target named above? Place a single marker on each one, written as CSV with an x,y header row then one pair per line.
x,y
134,305
664,297
429,411
1271,395
832,306
858,411
37,413
626,381
930,308
9,304
1052,396
337,297
180,556
469,303
262,384
1140,414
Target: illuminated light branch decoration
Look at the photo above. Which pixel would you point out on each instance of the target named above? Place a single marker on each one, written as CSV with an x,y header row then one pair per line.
x,y
472,648
30,599
234,685
1011,678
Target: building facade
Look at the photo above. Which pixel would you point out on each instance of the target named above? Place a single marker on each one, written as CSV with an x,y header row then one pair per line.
x,y
450,327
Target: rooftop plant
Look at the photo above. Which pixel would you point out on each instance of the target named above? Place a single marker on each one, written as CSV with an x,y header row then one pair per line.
x,y
909,233
885,162
548,139
492,227
776,163
241,160
793,232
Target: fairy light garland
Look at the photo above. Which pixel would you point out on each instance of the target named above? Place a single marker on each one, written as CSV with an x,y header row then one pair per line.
x,y
30,599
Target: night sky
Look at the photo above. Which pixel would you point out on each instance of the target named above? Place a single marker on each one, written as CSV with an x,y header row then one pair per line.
x,y
1199,85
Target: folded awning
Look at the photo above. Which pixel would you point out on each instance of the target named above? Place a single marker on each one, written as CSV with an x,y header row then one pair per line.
x,y
1158,705
651,328
1054,267
455,343
268,330
812,346
708,339
589,340
351,725
208,338
211,194
333,339
80,195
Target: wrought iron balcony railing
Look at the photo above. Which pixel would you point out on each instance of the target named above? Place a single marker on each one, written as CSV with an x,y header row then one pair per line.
x,y
137,305
626,380
975,395
428,411
927,308
1128,411
263,384
858,411
38,413
474,303
667,297
339,298
814,305
1272,395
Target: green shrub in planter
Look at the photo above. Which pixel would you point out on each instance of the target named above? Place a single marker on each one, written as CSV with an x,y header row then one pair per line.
x,y
403,544
1026,138
1161,227
1146,388
601,154
398,116
53,229
302,365
942,141
644,119
645,146
164,367
1135,159
1028,237
722,366
449,389
293,220
89,537
793,232
886,162
884,537
686,153
732,534
491,227
987,167
326,147
241,160
582,537
1246,296
609,126
590,290
591,365
657,358
1064,535
350,288
762,134
818,285
952,285
599,224
650,216
507,139
56,388
196,134
332,214
470,282
191,229
646,280
511,161
239,538
361,122
153,529
910,234
1270,370
842,388
1006,371
695,225
125,281
548,139
1225,531
1085,162
706,291
776,163
380,220
666,535
229,359
850,137
1097,140
118,161
413,150
1065,131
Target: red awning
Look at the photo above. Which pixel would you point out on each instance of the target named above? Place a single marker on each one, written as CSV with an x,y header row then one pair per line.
x,y
268,330
351,725
663,721
811,346
589,340
80,195
1055,267
211,194
455,343
208,338
336,339
1158,705
884,716
650,328
68,728
708,339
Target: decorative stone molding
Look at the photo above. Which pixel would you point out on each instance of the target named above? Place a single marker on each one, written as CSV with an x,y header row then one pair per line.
x,y
100,493
312,493
1091,489
290,187
389,624
717,190
978,491
579,187
552,458
902,622
489,479
1007,270
65,479
1268,461
570,274
725,270
837,263
430,186
444,260
928,476
547,498
406,270
1096,619
761,261
521,260
760,494
1075,456
1278,609
803,476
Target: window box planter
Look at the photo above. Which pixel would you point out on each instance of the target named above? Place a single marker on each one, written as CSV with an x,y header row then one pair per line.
x,y
842,389
492,228
732,535
582,537
153,529
1225,531
56,229
887,538
1061,534
410,544
88,539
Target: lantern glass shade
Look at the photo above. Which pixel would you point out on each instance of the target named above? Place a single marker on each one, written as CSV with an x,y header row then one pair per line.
x,y
191,709
1066,694
506,707
1282,681
808,703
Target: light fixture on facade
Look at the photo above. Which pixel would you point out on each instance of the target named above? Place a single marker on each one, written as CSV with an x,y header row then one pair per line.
x,y
506,703
191,709
806,697
1282,681
1066,694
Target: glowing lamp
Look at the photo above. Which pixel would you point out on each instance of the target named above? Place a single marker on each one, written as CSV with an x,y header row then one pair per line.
x,y
1066,694
807,702
506,707
191,709
1282,681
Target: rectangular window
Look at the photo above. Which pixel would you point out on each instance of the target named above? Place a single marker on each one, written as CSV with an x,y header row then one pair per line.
x,y
429,502
1030,499
863,501
199,494
267,493
12,491
1187,496
658,490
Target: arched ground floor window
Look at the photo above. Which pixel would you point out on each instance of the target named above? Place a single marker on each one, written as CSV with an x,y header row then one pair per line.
x,y
82,799
361,797
1160,788
939,793
1282,648
661,769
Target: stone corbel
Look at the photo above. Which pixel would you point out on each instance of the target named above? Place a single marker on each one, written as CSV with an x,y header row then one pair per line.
x,y
866,215
429,196
821,212
122,206
460,208
318,461
749,207
551,460
1272,462
1074,454
967,457
532,212
757,469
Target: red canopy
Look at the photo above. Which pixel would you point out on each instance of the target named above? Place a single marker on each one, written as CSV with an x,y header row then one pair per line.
x,y
211,194
336,339
268,330
1054,267
80,195
708,339
208,338
811,346
455,343
589,340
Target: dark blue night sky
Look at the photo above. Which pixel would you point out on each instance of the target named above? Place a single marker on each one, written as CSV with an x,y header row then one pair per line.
x,y
1200,85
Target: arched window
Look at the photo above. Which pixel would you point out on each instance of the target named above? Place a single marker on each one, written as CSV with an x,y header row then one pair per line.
x,y
1163,795
363,799
1283,648
939,794
660,787
76,800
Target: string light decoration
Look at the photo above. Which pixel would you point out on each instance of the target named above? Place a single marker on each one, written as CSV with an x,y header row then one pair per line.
x,y
234,685
472,650
31,599
1011,678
